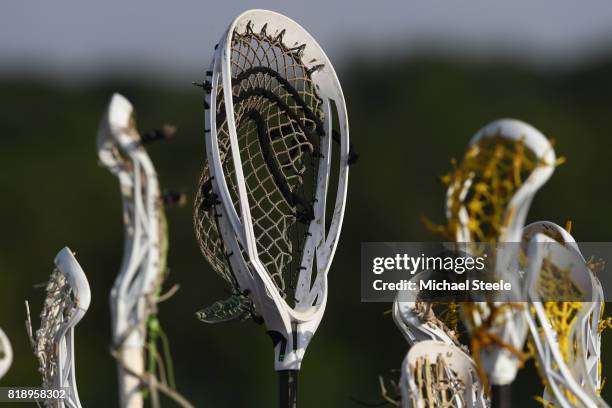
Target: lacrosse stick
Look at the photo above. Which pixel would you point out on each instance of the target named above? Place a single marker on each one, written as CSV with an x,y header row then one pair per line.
x,y
276,105
487,201
436,374
137,288
66,302
565,333
6,354
586,333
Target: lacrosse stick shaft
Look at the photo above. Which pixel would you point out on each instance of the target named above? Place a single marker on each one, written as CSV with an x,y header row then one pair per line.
x,y
501,396
129,385
288,388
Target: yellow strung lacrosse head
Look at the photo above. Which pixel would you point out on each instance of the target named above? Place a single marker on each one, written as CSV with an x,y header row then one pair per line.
x,y
565,317
490,191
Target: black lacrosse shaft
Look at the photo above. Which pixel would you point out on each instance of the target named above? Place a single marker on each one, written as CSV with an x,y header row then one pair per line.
x,y
501,396
287,388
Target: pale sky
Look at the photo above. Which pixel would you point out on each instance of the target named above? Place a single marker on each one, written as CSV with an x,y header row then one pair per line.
x,y
76,37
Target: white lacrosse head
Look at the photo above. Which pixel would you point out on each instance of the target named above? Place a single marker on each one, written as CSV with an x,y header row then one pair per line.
x,y
569,360
303,62
6,354
417,320
68,298
120,150
487,201
440,375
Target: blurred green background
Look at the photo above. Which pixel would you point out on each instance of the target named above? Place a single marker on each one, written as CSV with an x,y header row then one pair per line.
x,y
407,119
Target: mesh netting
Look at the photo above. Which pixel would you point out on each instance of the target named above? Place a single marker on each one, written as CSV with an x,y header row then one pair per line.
x,y
206,228
437,385
279,124
57,311
562,317
483,184
554,282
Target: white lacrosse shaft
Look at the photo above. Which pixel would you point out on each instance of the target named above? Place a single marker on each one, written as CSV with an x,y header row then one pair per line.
x,y
67,264
500,364
296,325
6,354
120,150
579,374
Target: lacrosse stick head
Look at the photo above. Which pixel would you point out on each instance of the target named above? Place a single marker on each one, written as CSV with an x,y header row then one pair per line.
x,y
567,301
66,302
275,108
438,374
416,318
6,354
490,192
